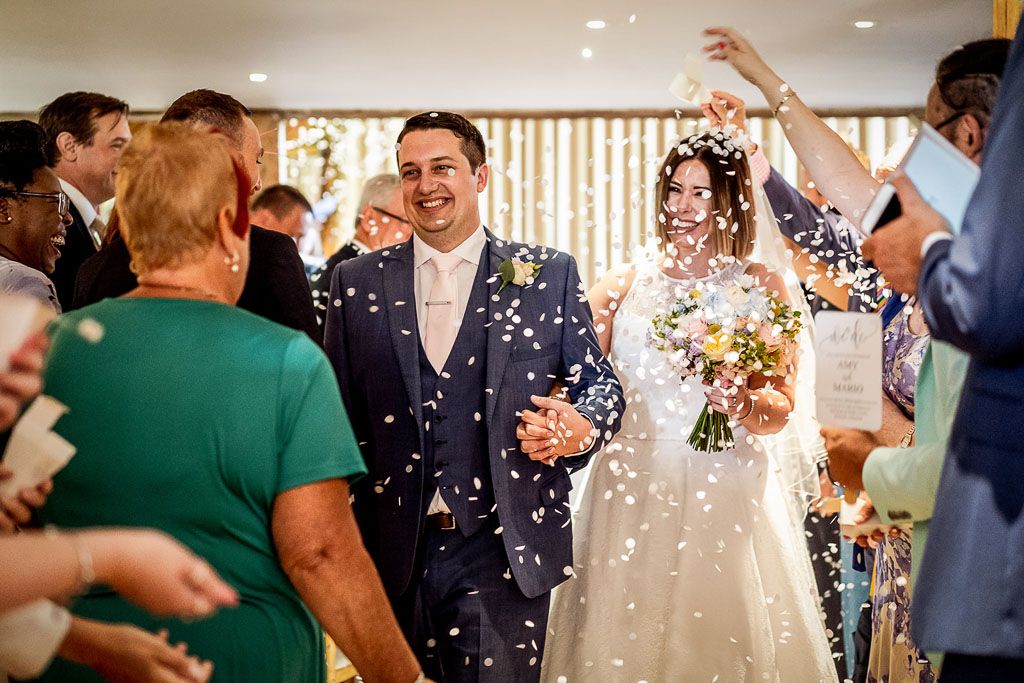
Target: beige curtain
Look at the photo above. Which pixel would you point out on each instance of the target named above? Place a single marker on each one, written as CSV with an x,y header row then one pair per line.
x,y
582,185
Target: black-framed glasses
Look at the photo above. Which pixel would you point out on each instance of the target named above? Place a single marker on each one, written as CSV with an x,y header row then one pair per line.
x,y
63,202
956,116
390,215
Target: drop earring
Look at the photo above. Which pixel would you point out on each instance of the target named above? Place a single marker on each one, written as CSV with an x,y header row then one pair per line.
x,y
232,261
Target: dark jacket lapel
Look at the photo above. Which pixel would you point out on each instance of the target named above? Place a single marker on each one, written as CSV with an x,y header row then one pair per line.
x,y
400,296
498,350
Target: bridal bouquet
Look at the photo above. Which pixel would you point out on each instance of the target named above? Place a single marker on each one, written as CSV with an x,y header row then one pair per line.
x,y
724,333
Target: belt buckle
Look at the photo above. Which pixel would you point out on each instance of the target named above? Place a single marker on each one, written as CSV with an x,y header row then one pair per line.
x,y
447,522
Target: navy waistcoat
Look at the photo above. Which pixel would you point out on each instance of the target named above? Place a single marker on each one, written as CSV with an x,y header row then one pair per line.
x,y
454,404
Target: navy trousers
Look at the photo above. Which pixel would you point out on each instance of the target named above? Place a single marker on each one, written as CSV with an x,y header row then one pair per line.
x,y
464,614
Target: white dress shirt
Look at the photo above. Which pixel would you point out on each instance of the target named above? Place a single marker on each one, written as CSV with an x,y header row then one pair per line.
x,y
85,208
424,274
465,273
932,239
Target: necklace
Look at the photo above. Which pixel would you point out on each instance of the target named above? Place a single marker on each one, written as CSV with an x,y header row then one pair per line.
x,y
201,293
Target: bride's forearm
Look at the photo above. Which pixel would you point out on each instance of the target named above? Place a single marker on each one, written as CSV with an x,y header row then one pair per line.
x,y
769,411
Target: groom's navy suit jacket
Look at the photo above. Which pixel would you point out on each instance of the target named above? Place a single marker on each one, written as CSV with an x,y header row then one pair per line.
x,y
969,596
534,335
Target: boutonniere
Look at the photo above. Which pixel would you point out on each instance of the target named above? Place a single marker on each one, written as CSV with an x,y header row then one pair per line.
x,y
518,273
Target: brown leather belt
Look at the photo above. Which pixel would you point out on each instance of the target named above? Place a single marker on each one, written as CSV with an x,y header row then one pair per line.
x,y
443,521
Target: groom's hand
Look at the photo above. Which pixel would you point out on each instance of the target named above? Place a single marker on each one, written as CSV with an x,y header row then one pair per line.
x,y
555,430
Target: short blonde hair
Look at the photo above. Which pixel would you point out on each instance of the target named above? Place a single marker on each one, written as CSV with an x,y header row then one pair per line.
x,y
732,193
172,182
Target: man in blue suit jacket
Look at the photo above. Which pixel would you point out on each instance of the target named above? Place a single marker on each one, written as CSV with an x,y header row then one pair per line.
x,y
969,600
465,509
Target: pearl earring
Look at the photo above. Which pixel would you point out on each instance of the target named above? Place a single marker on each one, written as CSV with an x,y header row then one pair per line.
x,y
232,261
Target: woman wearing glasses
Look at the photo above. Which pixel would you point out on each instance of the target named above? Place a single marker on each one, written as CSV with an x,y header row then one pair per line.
x,y
33,213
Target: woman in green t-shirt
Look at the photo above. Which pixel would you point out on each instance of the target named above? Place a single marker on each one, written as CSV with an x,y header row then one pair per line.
x,y
218,427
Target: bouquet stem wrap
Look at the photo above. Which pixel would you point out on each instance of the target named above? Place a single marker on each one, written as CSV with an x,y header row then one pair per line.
x,y
711,433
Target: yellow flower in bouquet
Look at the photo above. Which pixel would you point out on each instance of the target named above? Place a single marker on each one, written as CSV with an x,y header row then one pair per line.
x,y
717,345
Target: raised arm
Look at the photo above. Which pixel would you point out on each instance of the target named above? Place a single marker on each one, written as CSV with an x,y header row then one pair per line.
x,y
822,242
835,169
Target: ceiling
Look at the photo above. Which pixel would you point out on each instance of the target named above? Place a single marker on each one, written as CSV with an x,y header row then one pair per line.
x,y
468,55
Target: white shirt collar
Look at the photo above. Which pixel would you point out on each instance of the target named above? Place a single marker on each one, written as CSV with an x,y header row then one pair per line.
x,y
470,249
84,206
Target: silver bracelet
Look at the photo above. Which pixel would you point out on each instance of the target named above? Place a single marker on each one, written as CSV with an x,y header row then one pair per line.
x,y
86,570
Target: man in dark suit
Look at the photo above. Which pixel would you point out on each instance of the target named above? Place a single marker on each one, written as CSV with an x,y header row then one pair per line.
x,y
275,286
86,135
440,344
380,222
969,596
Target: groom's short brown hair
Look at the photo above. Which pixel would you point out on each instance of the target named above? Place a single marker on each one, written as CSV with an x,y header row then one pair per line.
x,y
472,141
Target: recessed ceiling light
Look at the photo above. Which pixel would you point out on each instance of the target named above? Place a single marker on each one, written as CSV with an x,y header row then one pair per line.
x,y
864,23
587,53
596,24
257,78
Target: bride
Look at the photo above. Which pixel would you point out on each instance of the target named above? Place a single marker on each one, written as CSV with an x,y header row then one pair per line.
x,y
689,565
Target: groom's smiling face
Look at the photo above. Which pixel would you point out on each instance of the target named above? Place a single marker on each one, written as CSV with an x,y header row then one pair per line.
x,y
439,186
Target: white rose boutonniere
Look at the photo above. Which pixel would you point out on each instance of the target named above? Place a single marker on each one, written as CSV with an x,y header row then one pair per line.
x,y
516,272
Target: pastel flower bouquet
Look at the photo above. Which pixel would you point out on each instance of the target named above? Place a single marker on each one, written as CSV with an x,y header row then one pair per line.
x,y
724,333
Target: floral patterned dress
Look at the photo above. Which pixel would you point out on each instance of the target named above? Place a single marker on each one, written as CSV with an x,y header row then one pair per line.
x,y
894,657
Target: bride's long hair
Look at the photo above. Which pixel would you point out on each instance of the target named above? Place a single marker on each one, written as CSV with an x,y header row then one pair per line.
x,y
733,214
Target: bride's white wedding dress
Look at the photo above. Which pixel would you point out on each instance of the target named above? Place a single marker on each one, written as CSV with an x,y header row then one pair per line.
x,y
689,566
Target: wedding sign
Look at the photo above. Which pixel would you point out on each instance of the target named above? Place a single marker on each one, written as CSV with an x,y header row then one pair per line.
x,y
849,370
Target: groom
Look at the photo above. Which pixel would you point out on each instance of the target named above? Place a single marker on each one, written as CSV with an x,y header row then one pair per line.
x,y
446,347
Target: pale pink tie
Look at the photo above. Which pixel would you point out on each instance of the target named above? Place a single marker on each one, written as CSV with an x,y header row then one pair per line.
x,y
442,315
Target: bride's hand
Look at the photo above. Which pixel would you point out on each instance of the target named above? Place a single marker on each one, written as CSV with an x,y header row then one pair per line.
x,y
732,400
731,47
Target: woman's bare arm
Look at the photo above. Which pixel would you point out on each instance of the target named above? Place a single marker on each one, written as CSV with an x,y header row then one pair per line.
x,y
322,552
833,166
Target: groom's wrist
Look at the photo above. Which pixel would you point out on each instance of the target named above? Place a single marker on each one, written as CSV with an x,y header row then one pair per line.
x,y
587,443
